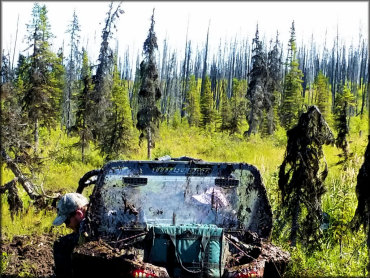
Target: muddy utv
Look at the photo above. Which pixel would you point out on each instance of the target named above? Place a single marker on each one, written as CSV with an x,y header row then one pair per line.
x,y
177,218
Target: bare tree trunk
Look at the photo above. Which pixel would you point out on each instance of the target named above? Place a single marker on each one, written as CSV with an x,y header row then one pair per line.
x,y
27,185
149,143
205,63
36,135
83,142
83,148
69,112
15,42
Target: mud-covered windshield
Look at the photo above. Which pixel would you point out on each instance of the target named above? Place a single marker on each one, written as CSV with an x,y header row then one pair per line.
x,y
135,194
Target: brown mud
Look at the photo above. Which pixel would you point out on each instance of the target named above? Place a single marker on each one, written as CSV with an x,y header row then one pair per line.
x,y
32,256
28,256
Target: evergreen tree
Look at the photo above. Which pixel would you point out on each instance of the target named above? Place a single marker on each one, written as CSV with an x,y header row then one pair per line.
x,y
148,115
206,104
193,106
237,105
273,88
14,135
134,96
176,119
292,96
321,86
343,102
117,139
84,100
103,78
256,86
225,109
58,81
40,100
185,77
204,74
5,71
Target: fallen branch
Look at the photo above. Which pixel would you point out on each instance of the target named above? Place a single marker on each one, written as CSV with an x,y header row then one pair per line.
x,y
29,187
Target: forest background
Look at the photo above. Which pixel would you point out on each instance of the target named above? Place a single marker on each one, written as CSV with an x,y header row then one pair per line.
x,y
64,114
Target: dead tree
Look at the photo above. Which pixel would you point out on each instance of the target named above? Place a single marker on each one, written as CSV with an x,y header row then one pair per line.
x,y
27,185
302,175
205,64
15,203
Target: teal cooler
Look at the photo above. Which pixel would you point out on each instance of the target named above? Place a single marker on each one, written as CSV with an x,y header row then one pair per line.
x,y
187,250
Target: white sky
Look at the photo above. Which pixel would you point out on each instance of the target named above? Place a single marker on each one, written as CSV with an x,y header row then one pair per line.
x,y
227,18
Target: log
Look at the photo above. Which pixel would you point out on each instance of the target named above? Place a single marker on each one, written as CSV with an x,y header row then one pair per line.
x,y
28,186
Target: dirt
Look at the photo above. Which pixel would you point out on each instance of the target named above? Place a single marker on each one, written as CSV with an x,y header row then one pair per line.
x,y
28,256
270,262
32,256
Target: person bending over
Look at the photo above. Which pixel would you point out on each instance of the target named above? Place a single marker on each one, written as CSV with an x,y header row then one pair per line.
x,y
71,209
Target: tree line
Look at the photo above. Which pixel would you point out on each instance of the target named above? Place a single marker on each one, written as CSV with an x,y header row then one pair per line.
x,y
108,102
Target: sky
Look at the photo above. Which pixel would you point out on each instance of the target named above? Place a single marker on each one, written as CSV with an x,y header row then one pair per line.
x,y
175,19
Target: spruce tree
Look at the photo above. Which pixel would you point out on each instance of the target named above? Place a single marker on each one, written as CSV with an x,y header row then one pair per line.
x,y
148,115
134,96
192,107
185,77
237,105
84,100
40,100
14,135
344,101
58,81
292,95
102,80
225,108
321,86
206,104
256,86
117,139
273,88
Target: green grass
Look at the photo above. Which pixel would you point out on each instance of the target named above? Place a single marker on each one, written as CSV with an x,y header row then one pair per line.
x,y
30,222
342,253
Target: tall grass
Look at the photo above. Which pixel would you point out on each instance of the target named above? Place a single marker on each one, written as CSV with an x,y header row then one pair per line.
x,y
30,221
342,252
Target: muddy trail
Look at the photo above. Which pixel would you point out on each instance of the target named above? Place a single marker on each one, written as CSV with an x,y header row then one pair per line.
x,y
32,256
28,256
